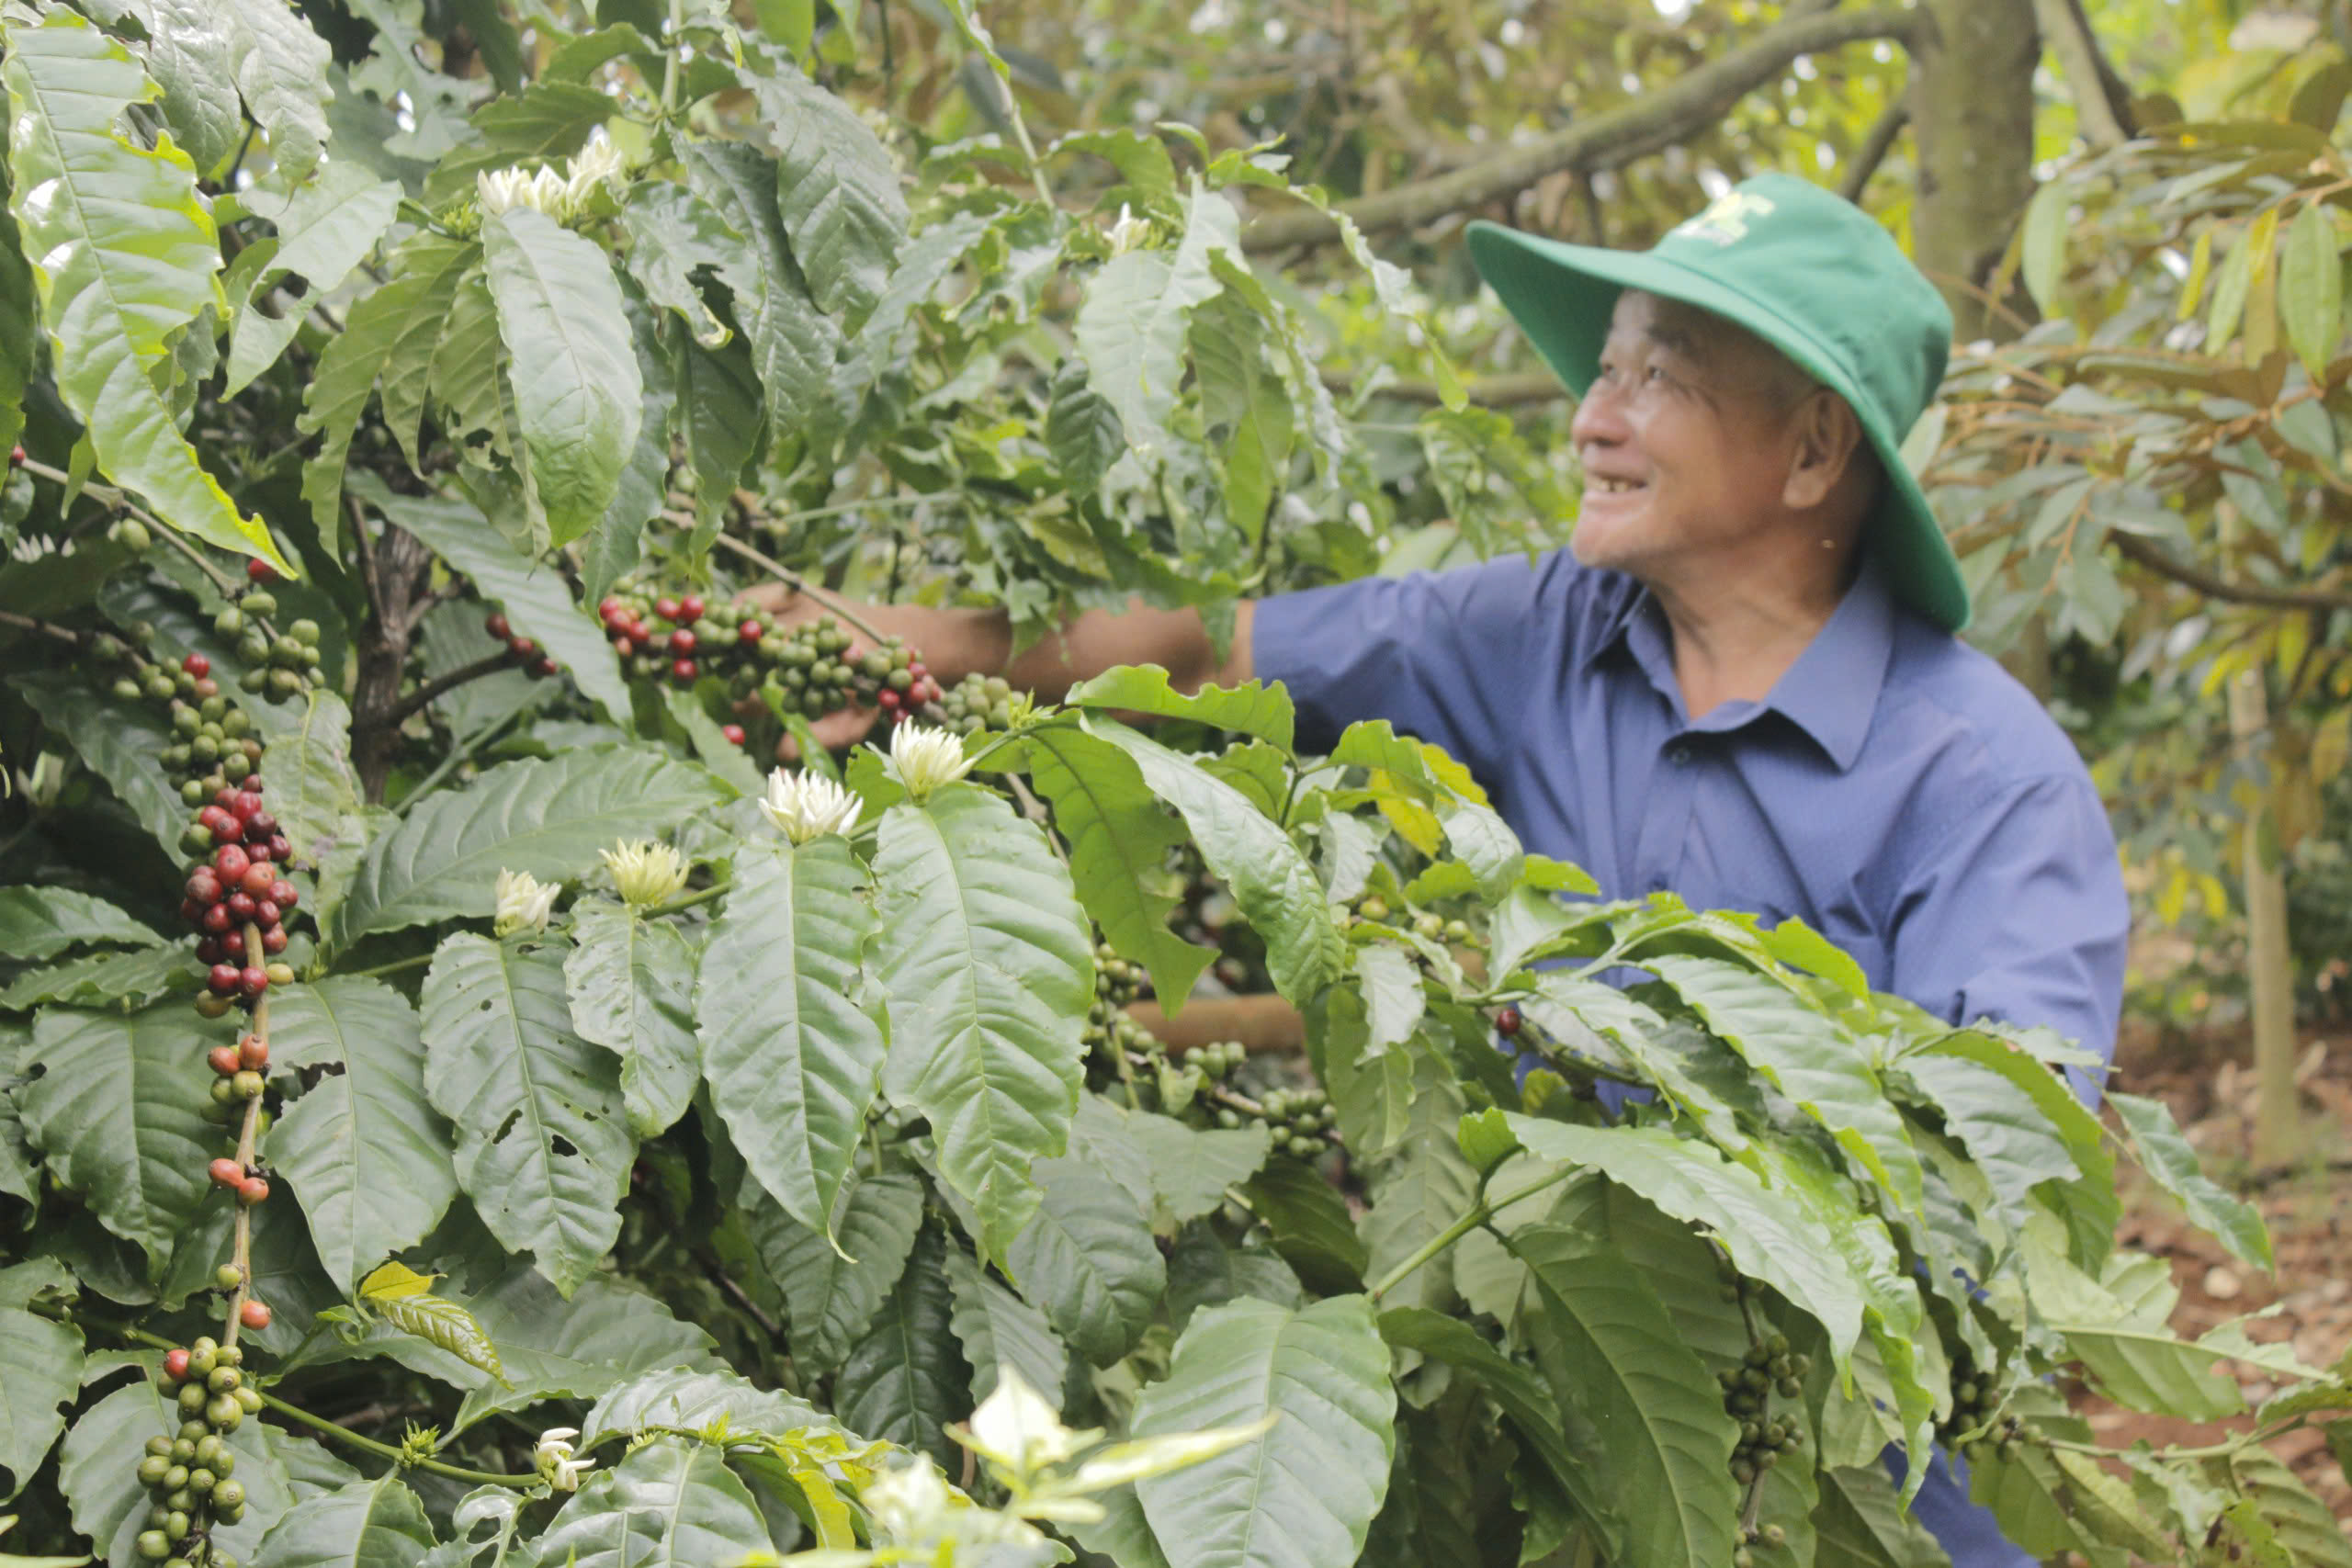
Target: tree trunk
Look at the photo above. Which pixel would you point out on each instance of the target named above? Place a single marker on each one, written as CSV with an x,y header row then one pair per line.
x,y
2269,965
1972,121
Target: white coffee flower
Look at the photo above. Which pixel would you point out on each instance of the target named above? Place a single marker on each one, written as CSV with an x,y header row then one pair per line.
x,y
807,806
1017,1427
552,1459
597,163
924,758
646,873
524,902
1129,232
501,190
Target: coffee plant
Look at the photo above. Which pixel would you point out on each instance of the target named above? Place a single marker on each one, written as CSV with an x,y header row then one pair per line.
x,y
464,1104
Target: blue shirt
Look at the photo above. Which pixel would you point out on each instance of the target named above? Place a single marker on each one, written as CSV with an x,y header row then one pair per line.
x,y
1896,789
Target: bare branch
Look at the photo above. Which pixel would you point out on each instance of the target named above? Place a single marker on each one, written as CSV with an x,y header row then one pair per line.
x,y
1688,104
2214,586
2077,54
1874,148
489,664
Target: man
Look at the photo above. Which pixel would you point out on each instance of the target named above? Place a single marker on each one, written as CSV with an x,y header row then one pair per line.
x,y
1741,683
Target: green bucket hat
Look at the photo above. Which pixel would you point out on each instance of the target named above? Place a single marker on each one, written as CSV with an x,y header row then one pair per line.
x,y
1809,273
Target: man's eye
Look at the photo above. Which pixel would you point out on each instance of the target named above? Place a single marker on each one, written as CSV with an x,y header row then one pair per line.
x,y
1654,373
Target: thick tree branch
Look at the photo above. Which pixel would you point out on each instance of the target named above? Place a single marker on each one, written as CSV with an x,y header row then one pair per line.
x,y
2214,586
1670,115
1874,148
1485,392
2063,30
489,664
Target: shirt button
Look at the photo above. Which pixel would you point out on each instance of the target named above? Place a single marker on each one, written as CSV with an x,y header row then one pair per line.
x,y
1679,755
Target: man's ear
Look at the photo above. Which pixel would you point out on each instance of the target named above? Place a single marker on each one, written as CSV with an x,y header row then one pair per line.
x,y
1827,433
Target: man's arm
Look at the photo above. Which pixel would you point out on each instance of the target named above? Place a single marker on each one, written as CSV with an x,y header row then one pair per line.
x,y
2019,914
958,642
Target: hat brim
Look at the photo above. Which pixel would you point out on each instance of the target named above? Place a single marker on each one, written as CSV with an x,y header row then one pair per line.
x,y
1562,296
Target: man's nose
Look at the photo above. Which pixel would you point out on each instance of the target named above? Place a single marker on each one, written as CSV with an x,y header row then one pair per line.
x,y
1598,418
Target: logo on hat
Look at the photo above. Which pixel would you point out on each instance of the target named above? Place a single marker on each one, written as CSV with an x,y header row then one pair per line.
x,y
1726,219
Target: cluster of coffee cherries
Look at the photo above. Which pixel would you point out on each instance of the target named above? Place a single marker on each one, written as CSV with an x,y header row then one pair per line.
x,y
190,1478
977,703
236,1079
1217,1060
1770,1368
237,893
1975,1396
1299,1120
521,651
1422,923
278,665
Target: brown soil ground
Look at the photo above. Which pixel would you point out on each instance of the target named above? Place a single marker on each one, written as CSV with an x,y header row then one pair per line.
x,y
2210,1087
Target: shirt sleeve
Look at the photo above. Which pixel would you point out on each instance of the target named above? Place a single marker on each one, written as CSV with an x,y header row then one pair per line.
x,y
2020,915
1436,654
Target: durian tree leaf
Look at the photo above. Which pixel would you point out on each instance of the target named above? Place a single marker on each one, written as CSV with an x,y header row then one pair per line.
x,y
532,592
547,816
1087,1259
1668,1443
44,1363
577,391
905,1381
1273,882
543,1144
998,1329
124,255
988,963
671,1504
1118,840
38,923
1302,1495
368,1524
112,1104
366,1155
793,1060
631,983
833,1294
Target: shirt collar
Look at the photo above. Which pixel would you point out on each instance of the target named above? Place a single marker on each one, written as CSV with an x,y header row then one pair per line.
x,y
1830,693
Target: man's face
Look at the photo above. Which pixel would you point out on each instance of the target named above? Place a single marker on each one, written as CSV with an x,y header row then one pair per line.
x,y
1684,438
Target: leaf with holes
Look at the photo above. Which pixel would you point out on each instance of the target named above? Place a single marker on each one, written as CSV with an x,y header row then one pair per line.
x,y
632,992
543,1141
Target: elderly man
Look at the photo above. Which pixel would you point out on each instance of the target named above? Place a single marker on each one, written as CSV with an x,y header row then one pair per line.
x,y
1741,682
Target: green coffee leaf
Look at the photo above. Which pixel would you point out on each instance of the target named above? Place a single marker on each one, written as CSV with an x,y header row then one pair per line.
x,y
1087,1257
1304,1494
1860,1523
793,1061
1190,1169
117,740
1418,1187
548,817
837,192
44,1363
695,1399
112,1103
671,1504
38,923
1250,708
313,789
125,255
632,983
327,228
2311,298
1119,839
998,1329
543,1142
835,1287
2167,1155
365,1153
368,1524
281,69
1273,883
577,391
988,966
905,1381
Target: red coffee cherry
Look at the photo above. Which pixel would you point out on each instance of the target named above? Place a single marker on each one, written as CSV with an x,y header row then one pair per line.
x,y
666,609
690,608
254,1315
1507,1021
253,981
224,977
273,941
261,571
253,1190
197,665
750,632
176,1364
682,642
496,625
223,1059
683,671
253,1051
227,1173
734,733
